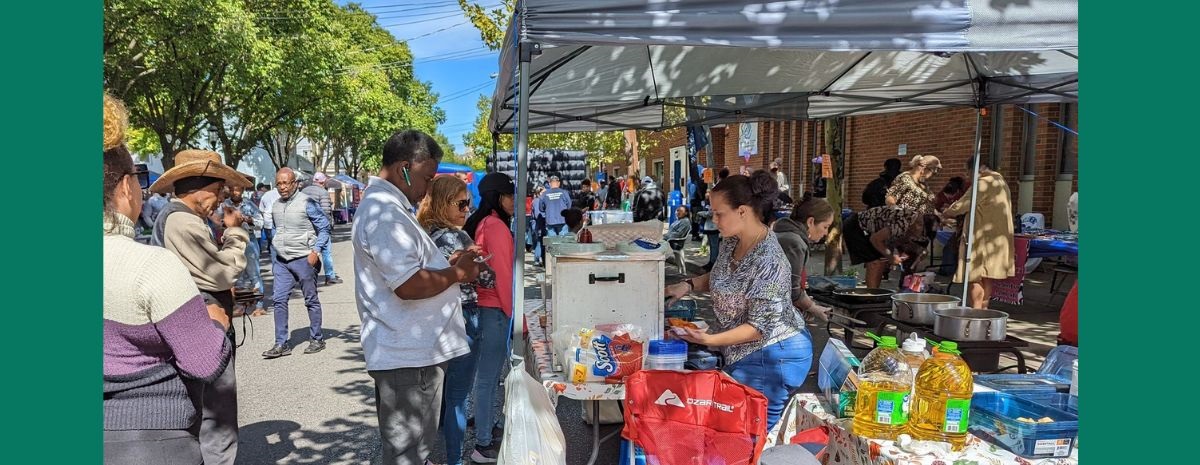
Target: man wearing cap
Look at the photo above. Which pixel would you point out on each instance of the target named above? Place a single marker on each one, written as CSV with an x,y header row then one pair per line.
x,y
301,230
551,204
408,299
648,203
197,180
317,191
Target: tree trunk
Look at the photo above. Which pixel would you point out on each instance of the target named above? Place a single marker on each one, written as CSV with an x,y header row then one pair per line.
x,y
833,194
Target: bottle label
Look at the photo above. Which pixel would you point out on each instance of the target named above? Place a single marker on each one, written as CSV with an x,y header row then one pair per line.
x,y
957,411
889,408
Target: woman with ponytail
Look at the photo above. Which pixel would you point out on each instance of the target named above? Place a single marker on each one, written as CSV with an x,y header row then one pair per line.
x,y
808,224
763,337
489,227
157,328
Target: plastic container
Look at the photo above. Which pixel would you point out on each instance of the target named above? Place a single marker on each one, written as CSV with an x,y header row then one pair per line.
x,y
942,405
884,386
1056,400
609,217
666,355
1075,378
994,418
1017,384
913,349
1059,361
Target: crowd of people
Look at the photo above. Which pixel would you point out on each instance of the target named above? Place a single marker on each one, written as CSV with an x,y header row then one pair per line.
x,y
434,277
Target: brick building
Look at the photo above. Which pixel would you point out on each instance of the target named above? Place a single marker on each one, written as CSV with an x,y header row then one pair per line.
x,y
1039,160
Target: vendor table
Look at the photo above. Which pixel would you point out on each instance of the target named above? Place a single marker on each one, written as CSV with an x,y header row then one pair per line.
x,y
1038,247
806,411
539,349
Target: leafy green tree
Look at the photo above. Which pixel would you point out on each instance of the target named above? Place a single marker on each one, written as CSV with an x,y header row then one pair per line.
x,y
166,58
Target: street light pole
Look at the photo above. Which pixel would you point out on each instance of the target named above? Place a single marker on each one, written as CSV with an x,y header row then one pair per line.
x,y
212,137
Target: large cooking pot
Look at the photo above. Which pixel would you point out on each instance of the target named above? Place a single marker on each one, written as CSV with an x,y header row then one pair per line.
x,y
864,295
970,324
911,307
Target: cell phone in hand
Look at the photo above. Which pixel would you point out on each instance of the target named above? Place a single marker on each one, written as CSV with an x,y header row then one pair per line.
x,y
483,259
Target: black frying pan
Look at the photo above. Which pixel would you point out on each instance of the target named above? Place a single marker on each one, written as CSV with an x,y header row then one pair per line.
x,y
864,295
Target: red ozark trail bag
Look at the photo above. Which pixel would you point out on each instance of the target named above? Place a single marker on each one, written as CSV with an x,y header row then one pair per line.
x,y
698,417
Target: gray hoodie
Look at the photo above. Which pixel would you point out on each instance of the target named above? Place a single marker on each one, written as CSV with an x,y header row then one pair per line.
x,y
793,237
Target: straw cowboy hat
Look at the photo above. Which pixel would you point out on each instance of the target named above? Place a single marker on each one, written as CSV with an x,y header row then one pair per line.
x,y
190,163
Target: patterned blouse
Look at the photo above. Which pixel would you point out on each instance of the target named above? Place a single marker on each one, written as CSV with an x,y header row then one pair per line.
x,y
911,194
758,292
896,219
450,240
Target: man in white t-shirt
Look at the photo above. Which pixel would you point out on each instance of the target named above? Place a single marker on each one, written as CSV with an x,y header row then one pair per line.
x,y
408,299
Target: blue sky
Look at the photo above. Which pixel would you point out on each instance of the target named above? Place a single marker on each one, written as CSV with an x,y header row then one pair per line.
x,y
447,53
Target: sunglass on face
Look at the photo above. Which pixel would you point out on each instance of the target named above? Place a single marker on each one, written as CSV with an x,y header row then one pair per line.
x,y
462,205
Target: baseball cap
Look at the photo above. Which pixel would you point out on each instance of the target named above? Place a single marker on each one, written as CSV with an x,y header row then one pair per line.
x,y
554,177
320,177
647,180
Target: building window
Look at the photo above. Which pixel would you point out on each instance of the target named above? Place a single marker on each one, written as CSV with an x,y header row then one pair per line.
x,y
658,171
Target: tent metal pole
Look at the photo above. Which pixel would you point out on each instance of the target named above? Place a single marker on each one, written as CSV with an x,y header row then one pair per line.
x,y
970,236
526,51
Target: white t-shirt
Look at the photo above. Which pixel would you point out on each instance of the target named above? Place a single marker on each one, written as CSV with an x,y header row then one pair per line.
x,y
389,248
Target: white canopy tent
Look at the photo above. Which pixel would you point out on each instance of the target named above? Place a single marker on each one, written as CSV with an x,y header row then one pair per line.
x,y
651,64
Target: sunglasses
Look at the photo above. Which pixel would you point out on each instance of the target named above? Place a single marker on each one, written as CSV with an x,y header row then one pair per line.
x,y
462,205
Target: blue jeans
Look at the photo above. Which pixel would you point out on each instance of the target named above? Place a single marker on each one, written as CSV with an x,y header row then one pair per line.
x,y
775,371
493,351
287,275
327,261
460,378
251,277
552,230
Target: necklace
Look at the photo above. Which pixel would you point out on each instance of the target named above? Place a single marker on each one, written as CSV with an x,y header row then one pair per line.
x,y
735,259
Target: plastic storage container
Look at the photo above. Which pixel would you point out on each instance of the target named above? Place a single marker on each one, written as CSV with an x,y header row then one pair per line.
x,y
1017,384
666,355
1059,361
1056,400
884,386
941,406
610,217
994,417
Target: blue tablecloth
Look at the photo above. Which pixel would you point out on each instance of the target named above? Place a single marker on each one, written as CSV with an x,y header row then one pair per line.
x,y
1037,247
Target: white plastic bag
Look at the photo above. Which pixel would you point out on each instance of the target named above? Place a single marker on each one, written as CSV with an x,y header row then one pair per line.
x,y
532,435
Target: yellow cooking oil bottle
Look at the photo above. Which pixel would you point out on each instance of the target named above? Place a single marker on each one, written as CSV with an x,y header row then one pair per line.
x,y
943,398
884,385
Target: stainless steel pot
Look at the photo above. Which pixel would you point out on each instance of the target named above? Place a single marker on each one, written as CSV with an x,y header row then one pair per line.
x,y
970,324
911,307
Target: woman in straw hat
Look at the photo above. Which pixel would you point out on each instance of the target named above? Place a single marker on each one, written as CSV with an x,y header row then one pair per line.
x,y
156,327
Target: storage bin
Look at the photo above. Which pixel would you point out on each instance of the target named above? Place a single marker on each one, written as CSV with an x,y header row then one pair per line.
x,y
994,419
1056,400
1016,384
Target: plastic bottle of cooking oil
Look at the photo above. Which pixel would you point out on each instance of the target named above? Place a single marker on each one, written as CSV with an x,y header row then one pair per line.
x,y
943,401
884,384
913,349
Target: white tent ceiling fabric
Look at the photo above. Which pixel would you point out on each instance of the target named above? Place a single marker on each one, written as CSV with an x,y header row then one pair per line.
x,y
653,64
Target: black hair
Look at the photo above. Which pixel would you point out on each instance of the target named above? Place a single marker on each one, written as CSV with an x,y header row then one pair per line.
x,y
193,183
723,174
954,185
410,145
892,165
757,191
812,207
585,182
492,187
573,217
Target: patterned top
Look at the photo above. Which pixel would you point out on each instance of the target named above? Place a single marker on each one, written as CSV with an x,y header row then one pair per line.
x,y
450,240
911,194
896,219
758,292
